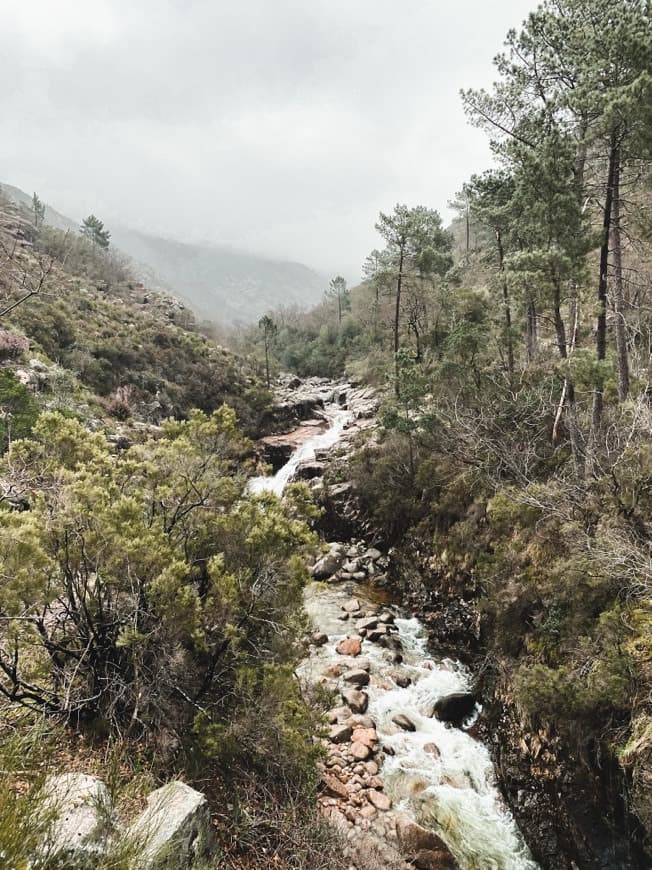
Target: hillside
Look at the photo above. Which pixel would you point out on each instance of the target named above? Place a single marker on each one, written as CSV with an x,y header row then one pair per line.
x,y
219,283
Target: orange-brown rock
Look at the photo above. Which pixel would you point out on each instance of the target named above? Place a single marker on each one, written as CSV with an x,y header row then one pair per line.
x,y
333,786
349,646
379,800
367,736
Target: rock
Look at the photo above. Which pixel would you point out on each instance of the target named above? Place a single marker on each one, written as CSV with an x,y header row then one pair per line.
x,y
319,638
351,606
340,734
387,617
365,664
368,623
366,736
357,701
343,616
402,681
432,749
333,786
454,708
360,751
379,800
402,721
79,803
377,633
175,830
335,670
328,565
310,470
431,859
356,677
349,646
413,838
372,554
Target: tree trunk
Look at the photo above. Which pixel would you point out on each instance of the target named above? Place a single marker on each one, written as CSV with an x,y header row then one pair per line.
x,y
559,321
620,323
531,330
506,304
601,333
397,317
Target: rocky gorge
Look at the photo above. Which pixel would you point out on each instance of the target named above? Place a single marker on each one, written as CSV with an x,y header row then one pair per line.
x,y
572,815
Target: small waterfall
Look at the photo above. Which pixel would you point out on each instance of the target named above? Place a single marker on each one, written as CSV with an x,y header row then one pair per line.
x,y
337,420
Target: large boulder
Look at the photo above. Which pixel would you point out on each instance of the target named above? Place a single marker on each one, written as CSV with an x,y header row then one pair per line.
x,y
356,700
83,817
328,564
422,847
454,708
175,830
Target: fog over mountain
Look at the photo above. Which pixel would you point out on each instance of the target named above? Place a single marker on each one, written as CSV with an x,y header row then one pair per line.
x,y
280,128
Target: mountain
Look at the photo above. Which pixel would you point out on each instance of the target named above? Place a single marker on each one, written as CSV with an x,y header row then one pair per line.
x,y
219,283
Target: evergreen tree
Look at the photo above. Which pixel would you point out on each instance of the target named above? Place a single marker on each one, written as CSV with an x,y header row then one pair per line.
x,y
93,229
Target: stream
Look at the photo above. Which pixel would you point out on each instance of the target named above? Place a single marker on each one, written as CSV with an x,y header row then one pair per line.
x,y
436,775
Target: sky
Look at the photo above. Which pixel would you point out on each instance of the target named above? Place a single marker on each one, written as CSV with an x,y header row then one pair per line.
x,y
278,126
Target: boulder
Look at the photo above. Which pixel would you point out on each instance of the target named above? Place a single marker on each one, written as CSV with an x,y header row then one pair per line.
x,y
379,799
349,646
80,805
351,606
413,838
366,624
402,721
328,564
433,859
333,786
319,638
356,677
175,830
366,736
402,681
340,734
372,554
454,708
360,751
357,701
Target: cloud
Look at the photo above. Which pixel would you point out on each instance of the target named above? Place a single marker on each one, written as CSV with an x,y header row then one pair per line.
x,y
280,126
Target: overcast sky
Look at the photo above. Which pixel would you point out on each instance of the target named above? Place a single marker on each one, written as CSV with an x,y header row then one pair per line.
x,y
281,126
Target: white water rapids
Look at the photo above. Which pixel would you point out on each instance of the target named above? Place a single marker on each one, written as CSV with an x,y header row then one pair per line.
x,y
450,789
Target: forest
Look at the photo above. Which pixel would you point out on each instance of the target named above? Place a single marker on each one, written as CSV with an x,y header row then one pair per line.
x,y
151,604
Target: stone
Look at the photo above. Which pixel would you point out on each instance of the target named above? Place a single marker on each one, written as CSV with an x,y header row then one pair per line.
x,y
356,677
319,638
379,800
328,565
454,708
413,838
357,701
371,767
360,751
332,785
372,554
369,622
174,830
432,749
351,606
431,859
402,721
344,616
376,633
340,734
334,670
366,736
76,800
349,646
402,681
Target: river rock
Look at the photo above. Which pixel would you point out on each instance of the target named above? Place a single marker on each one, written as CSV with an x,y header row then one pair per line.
x,y
379,799
372,554
360,751
175,830
340,734
414,838
432,749
319,638
357,701
402,681
349,646
454,708
357,677
368,623
366,736
351,606
329,564
333,786
402,721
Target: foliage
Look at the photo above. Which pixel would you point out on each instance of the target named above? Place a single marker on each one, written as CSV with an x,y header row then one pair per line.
x,y
18,409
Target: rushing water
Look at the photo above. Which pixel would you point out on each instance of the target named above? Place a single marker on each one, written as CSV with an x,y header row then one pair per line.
x,y
337,420
440,775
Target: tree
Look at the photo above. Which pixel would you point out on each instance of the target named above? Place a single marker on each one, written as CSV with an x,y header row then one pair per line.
x,y
582,68
416,246
38,212
338,290
93,229
269,331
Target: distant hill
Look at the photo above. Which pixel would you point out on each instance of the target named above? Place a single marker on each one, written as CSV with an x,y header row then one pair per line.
x,y
222,283
219,283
